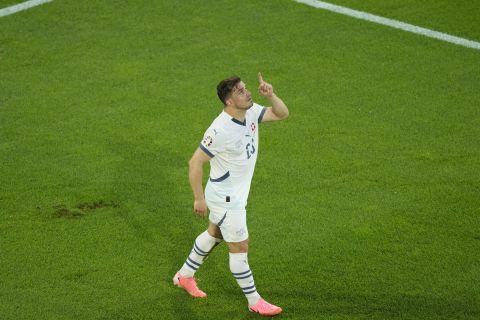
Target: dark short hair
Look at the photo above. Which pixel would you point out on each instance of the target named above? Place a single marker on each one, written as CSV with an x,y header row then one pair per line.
x,y
226,86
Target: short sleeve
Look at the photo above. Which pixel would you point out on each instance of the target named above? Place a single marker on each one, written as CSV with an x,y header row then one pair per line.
x,y
259,111
213,142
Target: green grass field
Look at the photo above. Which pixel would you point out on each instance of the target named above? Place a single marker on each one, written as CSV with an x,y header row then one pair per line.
x,y
365,203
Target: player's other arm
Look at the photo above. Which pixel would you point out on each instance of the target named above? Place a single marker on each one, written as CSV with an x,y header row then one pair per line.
x,y
278,110
195,175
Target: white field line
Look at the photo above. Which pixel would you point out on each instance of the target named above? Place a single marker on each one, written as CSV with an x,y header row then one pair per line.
x,y
21,6
392,23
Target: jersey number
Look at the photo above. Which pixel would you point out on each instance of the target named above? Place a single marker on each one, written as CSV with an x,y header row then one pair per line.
x,y
250,149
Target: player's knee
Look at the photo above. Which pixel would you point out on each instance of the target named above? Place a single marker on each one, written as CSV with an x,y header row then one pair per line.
x,y
238,247
214,231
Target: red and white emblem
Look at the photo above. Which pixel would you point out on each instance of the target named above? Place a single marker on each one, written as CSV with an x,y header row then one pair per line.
x,y
253,126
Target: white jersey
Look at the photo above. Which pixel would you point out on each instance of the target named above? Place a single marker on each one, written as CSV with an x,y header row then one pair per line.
x,y
233,147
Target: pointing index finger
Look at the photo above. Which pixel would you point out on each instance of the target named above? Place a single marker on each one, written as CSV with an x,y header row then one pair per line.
x,y
260,78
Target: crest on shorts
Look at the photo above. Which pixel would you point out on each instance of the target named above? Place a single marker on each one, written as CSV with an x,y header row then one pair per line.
x,y
207,141
241,232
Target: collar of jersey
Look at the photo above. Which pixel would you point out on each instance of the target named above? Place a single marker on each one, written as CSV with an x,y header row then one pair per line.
x,y
244,123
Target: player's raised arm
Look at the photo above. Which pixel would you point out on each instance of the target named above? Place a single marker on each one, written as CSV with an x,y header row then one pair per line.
x,y
278,110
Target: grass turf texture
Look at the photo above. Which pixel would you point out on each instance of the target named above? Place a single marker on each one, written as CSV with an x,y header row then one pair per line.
x,y
8,3
454,17
364,204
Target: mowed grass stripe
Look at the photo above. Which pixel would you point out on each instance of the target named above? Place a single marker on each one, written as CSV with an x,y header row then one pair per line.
x,y
8,3
456,18
21,6
392,23
363,204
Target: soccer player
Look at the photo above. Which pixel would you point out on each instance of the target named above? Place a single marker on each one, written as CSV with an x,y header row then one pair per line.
x,y
231,146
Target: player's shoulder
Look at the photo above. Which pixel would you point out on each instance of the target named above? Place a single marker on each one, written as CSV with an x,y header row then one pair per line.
x,y
218,127
256,107
256,112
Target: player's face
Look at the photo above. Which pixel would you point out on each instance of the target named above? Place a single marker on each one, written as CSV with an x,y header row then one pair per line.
x,y
241,97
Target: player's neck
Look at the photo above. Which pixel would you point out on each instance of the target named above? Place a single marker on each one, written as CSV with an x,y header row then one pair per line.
x,y
238,114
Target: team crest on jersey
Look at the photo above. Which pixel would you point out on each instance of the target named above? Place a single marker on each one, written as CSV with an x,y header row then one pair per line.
x,y
207,141
253,126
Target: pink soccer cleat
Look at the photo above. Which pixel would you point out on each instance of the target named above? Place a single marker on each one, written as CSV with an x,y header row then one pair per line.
x,y
264,308
189,284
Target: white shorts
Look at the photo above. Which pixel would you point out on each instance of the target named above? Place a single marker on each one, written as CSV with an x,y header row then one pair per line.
x,y
232,223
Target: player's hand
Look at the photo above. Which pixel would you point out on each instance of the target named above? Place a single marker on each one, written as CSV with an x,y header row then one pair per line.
x,y
200,208
264,88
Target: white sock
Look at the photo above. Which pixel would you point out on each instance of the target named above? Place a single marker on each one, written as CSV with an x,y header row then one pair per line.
x,y
202,247
244,276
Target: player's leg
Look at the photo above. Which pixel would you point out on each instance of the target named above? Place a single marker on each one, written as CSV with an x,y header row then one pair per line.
x,y
214,231
238,254
236,235
203,245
